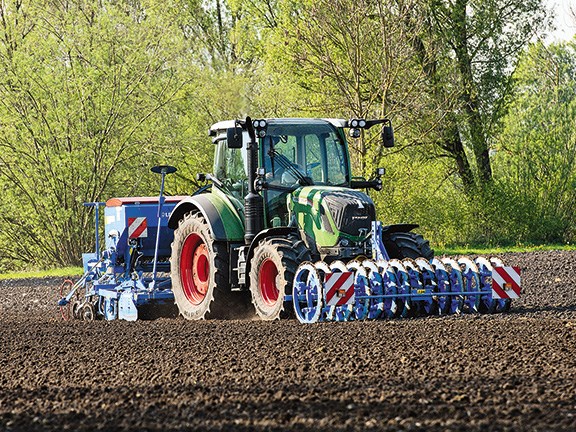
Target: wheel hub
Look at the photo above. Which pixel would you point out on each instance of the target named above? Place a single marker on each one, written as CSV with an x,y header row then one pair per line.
x,y
267,282
195,269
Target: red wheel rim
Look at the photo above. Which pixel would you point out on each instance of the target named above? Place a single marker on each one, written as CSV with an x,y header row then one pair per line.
x,y
194,269
267,282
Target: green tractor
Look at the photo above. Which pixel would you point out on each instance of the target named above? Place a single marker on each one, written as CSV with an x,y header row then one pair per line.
x,y
282,193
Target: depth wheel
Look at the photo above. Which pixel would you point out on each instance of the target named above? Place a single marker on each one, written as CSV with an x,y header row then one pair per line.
x,y
199,270
66,310
70,310
307,293
88,313
272,270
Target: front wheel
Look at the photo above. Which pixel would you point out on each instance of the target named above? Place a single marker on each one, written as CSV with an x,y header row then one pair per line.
x,y
402,245
273,266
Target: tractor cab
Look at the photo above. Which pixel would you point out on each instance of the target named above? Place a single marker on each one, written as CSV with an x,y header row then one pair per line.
x,y
295,173
296,153
303,152
291,154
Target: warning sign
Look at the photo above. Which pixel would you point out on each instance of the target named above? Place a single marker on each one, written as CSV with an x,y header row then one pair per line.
x,y
137,227
506,282
339,288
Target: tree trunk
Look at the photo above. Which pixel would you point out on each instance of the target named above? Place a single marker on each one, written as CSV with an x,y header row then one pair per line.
x,y
474,121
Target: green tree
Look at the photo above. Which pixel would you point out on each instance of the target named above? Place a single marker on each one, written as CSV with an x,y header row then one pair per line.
x,y
85,89
440,69
482,41
535,161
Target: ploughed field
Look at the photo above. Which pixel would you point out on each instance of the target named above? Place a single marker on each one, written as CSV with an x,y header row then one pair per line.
x,y
515,371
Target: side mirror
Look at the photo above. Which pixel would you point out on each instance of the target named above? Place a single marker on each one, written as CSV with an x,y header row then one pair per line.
x,y
387,135
234,137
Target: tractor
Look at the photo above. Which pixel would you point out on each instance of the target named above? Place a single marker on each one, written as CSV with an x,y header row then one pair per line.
x,y
281,194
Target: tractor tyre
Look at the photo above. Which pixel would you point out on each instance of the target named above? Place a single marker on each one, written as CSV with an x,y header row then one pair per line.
x,y
272,270
199,270
402,245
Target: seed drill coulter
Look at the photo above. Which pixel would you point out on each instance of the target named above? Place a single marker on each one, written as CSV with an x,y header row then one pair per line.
x,y
283,223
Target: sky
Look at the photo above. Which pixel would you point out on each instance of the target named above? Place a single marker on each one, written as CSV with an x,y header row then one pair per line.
x,y
565,21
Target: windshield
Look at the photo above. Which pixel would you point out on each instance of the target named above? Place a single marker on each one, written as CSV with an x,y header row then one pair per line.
x,y
305,153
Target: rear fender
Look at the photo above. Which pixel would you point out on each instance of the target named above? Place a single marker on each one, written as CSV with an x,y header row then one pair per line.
x,y
271,232
223,219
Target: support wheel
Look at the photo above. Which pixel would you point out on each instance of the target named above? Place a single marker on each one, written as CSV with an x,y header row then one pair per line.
x,y
307,294
199,270
272,270
88,313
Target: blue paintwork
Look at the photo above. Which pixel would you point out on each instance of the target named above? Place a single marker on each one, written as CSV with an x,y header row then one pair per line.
x,y
116,218
113,281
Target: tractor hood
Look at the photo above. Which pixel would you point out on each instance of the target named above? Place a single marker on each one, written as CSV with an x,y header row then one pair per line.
x,y
333,215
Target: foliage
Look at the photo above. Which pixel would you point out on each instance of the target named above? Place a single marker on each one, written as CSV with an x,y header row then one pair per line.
x,y
484,39
536,157
94,93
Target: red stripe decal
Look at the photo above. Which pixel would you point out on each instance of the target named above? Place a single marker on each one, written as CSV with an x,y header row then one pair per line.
x,y
349,293
498,290
508,279
140,229
339,279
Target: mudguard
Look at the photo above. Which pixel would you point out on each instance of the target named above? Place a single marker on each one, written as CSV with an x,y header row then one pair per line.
x,y
224,220
270,232
388,229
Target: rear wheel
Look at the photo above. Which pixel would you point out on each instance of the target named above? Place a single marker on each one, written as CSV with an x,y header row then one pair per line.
x,y
402,245
273,266
198,270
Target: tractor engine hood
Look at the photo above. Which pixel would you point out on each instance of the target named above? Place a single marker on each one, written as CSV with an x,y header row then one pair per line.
x,y
333,216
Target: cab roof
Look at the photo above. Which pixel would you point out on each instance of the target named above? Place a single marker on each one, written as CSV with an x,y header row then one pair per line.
x,y
226,124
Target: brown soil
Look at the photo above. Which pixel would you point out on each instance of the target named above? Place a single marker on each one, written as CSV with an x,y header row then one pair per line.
x,y
514,371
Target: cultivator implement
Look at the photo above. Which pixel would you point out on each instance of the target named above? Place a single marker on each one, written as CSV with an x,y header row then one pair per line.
x,y
390,288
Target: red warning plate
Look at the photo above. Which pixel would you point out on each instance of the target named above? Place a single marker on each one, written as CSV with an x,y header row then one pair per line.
x,y
506,282
339,288
137,227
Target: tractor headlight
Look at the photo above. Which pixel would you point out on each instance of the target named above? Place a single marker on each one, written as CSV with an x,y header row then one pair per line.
x,y
260,126
357,123
355,133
